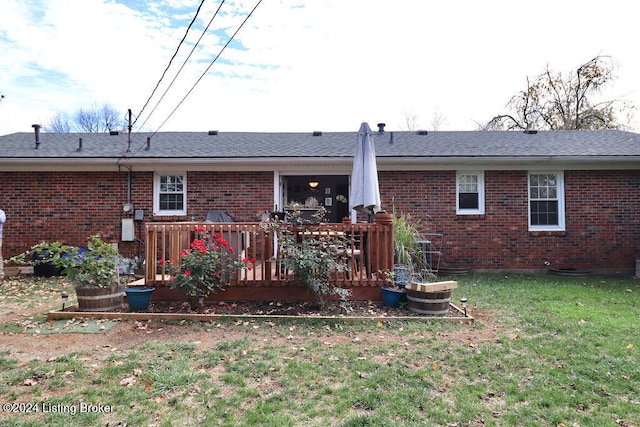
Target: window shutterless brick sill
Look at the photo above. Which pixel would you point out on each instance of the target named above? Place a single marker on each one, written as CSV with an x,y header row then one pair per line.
x,y
469,217
547,233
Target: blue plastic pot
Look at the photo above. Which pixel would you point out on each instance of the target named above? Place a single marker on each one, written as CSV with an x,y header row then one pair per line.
x,y
393,297
139,298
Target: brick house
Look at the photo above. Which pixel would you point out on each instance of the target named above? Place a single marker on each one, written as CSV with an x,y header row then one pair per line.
x,y
505,201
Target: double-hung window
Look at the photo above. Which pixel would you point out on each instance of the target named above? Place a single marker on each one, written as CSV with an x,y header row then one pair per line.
x,y
546,201
170,194
470,193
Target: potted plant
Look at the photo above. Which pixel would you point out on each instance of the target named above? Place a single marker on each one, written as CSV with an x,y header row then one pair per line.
x,y
406,249
208,265
393,295
92,270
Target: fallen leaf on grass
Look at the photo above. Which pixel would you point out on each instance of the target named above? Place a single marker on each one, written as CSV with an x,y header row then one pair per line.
x,y
630,346
128,382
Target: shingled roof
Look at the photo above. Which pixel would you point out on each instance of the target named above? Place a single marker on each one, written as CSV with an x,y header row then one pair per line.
x,y
434,146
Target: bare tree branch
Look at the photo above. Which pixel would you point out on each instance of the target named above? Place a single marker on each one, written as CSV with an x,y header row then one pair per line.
x,y
553,101
90,120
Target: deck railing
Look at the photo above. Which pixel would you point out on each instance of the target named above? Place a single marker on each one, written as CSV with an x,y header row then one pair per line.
x,y
366,248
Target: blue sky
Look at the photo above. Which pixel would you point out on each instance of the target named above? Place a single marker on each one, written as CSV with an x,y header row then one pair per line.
x,y
302,65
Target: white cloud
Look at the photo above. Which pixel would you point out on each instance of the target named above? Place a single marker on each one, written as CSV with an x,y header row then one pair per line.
x,y
302,66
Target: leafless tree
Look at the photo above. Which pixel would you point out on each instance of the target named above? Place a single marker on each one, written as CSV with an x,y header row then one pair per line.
x,y
552,101
438,119
91,120
411,120
97,120
59,123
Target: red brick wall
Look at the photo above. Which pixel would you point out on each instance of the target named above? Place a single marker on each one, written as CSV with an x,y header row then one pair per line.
x,y
602,220
70,206
602,213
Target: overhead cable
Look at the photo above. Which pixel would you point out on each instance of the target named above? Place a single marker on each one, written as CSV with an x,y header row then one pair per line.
x,y
170,62
208,68
183,64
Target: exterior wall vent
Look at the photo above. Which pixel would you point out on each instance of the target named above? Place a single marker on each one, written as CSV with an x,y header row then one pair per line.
x,y
530,131
422,132
114,132
317,133
213,132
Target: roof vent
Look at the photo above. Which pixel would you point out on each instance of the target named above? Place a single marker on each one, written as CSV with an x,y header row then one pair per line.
x,y
36,129
114,132
213,132
317,133
530,131
422,132
381,127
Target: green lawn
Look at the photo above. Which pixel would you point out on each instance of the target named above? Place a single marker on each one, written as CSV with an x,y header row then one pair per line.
x,y
544,351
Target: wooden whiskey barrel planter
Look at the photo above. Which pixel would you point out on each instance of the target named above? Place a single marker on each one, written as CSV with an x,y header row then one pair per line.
x,y
431,299
100,299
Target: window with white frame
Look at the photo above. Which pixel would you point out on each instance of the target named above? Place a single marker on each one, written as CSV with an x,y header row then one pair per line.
x,y
546,201
170,194
470,193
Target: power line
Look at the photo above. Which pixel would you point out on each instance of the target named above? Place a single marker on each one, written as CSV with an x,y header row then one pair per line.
x,y
170,62
183,65
208,68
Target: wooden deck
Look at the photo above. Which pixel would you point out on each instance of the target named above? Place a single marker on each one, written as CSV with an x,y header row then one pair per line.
x,y
367,250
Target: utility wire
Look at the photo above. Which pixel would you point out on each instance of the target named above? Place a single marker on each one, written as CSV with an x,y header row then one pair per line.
x,y
170,62
183,65
208,68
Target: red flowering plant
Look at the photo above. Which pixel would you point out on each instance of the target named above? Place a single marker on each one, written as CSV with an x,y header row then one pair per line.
x,y
206,266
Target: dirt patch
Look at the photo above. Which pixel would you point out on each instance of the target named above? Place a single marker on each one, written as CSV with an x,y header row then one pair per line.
x,y
28,344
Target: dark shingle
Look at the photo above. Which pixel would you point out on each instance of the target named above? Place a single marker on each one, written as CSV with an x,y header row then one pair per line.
x,y
242,145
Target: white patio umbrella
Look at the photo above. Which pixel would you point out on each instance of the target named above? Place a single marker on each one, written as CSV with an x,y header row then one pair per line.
x,y
365,191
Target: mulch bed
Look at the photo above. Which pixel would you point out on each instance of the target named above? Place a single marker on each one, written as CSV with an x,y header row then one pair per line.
x,y
290,308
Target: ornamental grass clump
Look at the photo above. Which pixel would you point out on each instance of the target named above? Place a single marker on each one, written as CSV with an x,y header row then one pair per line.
x,y
208,265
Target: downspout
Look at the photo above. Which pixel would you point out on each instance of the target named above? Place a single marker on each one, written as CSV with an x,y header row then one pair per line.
x,y
129,185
